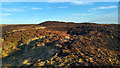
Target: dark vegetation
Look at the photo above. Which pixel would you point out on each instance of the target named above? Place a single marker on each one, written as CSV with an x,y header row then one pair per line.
x,y
54,43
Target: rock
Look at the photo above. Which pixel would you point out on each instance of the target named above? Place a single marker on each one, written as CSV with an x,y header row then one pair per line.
x,y
41,63
80,60
67,37
110,59
61,64
26,62
39,60
38,45
91,59
87,60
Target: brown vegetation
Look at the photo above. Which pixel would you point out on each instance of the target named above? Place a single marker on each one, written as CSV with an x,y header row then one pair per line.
x,y
54,43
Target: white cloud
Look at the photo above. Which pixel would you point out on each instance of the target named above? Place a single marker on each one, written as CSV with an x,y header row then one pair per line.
x,y
12,9
71,1
36,8
62,7
82,14
25,7
110,17
108,7
80,2
77,14
6,14
49,7
95,22
59,0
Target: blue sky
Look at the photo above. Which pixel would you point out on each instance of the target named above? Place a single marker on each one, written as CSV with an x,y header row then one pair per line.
x,y
37,12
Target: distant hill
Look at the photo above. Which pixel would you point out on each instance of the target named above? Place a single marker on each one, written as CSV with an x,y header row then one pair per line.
x,y
55,23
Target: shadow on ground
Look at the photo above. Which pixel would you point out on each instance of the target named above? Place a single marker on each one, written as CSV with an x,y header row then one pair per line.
x,y
28,54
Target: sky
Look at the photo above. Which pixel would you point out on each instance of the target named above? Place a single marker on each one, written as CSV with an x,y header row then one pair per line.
x,y
78,12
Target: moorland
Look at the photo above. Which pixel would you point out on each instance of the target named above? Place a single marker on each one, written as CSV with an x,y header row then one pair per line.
x,y
54,43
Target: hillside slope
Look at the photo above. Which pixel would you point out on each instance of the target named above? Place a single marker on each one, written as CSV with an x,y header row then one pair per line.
x,y
54,43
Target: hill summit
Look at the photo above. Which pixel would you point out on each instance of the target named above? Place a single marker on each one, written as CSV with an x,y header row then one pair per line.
x,y
53,23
